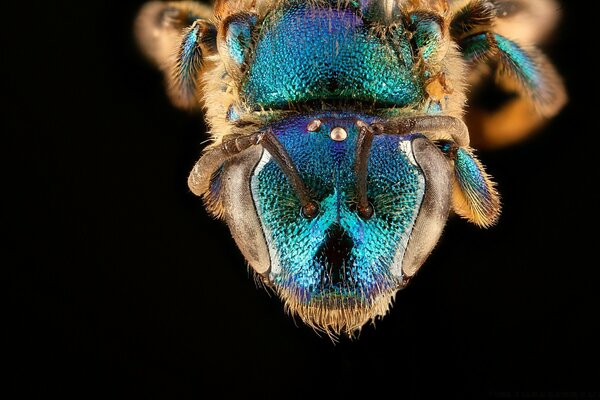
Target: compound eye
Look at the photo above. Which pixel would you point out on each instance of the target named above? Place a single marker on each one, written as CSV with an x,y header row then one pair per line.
x,y
434,207
225,189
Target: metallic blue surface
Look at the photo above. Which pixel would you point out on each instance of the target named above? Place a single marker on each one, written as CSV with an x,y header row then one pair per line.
x,y
189,44
395,187
471,177
233,114
475,47
514,57
306,54
189,62
523,65
427,36
238,37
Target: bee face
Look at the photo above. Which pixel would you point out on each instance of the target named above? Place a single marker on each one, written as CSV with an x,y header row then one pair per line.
x,y
336,261
339,145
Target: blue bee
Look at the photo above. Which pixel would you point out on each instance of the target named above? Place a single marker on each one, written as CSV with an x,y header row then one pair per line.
x,y
339,147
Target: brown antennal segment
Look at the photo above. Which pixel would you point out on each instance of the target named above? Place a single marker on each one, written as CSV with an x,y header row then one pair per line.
x,y
310,208
363,150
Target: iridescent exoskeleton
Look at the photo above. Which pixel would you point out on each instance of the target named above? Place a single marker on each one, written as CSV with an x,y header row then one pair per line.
x,y
339,145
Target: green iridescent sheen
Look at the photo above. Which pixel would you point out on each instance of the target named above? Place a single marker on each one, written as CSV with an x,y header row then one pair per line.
x,y
470,177
427,35
395,187
518,61
305,54
239,34
475,47
522,63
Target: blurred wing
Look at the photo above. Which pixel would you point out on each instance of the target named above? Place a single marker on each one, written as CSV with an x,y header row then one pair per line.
x,y
177,37
526,21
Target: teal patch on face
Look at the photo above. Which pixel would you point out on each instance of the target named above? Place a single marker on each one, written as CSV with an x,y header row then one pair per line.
x,y
308,54
337,256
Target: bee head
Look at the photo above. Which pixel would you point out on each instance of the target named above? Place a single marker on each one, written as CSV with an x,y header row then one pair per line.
x,y
339,142
336,267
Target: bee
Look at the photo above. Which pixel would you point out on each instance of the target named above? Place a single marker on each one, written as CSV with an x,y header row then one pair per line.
x,y
339,142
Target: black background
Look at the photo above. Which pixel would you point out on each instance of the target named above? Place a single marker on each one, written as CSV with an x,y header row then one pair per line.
x,y
121,285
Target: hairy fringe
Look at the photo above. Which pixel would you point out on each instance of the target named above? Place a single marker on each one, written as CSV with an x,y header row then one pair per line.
x,y
343,319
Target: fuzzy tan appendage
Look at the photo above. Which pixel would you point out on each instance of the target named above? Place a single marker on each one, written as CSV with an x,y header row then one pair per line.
x,y
474,194
169,37
342,319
